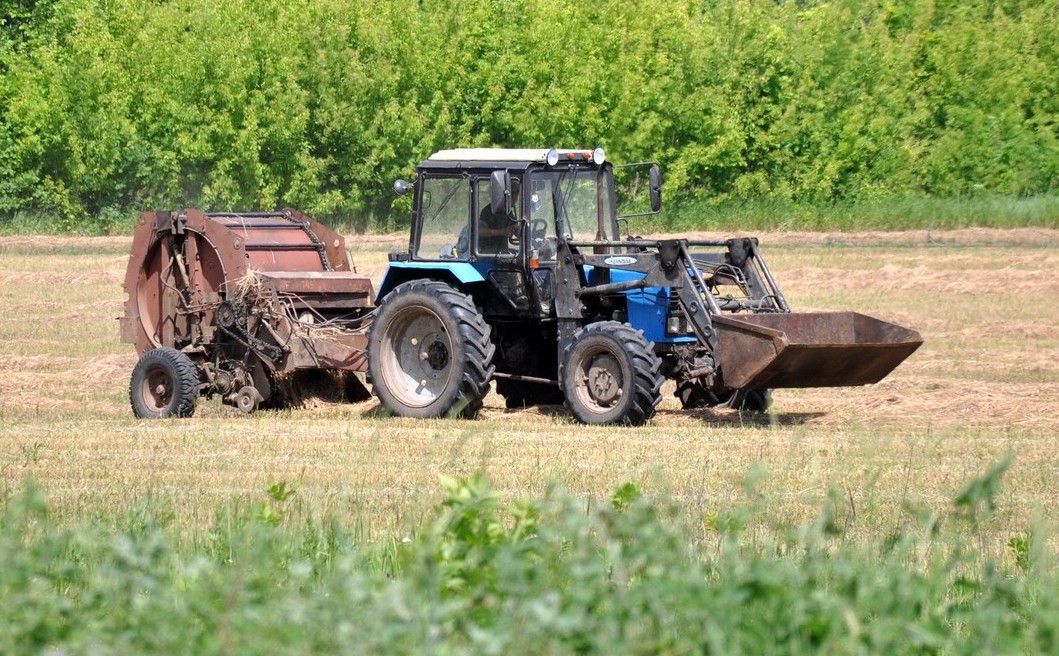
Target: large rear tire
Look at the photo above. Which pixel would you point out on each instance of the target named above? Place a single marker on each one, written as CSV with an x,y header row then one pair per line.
x,y
165,383
611,375
429,353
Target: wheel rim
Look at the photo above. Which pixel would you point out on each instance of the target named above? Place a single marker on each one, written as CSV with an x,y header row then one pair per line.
x,y
246,400
417,357
600,383
157,390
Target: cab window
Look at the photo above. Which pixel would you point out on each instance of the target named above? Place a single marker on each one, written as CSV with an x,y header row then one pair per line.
x,y
446,215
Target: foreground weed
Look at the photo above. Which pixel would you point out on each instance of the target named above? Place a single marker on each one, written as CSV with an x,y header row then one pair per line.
x,y
557,574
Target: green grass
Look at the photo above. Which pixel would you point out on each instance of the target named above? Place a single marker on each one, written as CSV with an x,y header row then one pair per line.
x,y
555,574
984,211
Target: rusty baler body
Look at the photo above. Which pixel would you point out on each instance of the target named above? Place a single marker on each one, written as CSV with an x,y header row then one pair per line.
x,y
243,300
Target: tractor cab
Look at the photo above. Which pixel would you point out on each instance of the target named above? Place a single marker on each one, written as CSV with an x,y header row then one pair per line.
x,y
496,217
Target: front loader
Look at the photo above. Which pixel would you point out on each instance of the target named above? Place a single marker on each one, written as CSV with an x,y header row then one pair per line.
x,y
563,309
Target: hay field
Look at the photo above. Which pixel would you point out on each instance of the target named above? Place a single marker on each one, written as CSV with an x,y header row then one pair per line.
x,y
985,383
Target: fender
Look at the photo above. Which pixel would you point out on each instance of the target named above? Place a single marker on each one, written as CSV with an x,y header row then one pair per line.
x,y
462,273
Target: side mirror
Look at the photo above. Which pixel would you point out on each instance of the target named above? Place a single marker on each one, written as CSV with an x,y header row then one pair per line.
x,y
500,193
400,187
656,189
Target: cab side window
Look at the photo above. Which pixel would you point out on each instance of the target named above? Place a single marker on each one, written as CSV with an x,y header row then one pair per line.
x,y
446,220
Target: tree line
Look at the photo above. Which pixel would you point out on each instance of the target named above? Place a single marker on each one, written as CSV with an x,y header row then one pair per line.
x,y
110,106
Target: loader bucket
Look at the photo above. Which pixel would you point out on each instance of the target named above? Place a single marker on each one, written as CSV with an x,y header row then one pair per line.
x,y
826,349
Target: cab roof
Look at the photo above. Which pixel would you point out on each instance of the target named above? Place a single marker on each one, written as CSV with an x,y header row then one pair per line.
x,y
491,155
521,155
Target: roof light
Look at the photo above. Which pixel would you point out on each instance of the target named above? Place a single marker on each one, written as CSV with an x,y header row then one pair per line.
x,y
552,158
598,156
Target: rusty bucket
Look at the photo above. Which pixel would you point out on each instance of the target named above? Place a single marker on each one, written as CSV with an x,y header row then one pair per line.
x,y
825,349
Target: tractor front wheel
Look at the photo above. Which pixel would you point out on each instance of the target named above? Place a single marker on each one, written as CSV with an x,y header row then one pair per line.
x,y
429,353
165,383
610,375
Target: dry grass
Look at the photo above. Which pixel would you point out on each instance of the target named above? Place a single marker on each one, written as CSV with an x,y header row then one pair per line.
x,y
985,383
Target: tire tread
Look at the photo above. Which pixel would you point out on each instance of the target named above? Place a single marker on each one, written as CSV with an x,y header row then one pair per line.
x,y
186,381
474,333
647,376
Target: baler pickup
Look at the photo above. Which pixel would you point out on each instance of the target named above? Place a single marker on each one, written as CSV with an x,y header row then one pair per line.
x,y
826,349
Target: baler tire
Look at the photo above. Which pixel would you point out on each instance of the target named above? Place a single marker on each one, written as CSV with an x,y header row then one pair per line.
x,y
164,383
627,382
429,352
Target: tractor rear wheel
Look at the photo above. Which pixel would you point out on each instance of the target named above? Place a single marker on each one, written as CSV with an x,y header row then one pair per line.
x,y
165,383
610,375
429,353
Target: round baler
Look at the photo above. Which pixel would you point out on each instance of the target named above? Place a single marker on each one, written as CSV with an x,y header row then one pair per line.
x,y
230,304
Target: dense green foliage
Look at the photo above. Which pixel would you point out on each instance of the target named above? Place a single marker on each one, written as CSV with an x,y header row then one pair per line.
x,y
552,576
111,106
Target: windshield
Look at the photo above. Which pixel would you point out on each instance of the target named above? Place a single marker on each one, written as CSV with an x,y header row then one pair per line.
x,y
577,202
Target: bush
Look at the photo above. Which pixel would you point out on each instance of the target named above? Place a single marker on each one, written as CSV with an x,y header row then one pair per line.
x,y
555,575
119,106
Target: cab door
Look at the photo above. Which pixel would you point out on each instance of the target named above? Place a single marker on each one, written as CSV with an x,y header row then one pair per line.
x,y
499,251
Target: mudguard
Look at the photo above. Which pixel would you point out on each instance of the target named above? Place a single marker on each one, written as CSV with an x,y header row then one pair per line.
x,y
463,273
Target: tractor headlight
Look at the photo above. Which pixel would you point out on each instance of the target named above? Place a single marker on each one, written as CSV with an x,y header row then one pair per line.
x,y
552,158
598,156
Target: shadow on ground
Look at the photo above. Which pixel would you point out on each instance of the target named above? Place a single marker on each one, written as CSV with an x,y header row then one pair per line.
x,y
709,416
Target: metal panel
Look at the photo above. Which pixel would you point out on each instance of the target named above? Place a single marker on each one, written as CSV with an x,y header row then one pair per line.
x,y
826,349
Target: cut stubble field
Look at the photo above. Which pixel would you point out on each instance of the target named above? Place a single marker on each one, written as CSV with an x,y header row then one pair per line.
x,y
984,384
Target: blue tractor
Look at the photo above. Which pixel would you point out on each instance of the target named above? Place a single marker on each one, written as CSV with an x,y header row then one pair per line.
x,y
516,271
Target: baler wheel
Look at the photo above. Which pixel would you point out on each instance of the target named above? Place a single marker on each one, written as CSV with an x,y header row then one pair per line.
x,y
429,352
247,399
165,383
610,375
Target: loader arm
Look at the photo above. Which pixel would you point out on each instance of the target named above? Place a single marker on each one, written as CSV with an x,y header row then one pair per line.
x,y
749,337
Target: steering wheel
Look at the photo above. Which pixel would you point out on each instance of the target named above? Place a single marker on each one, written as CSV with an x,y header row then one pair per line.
x,y
538,233
514,235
